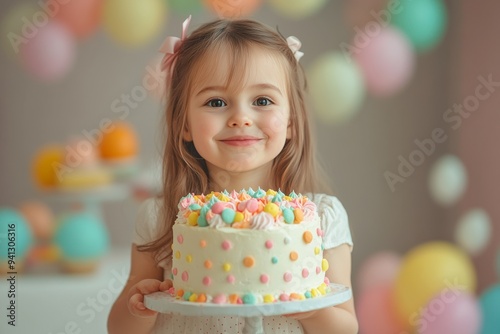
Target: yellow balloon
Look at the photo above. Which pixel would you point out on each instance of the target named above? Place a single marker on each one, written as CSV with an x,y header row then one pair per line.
x,y
45,166
430,270
336,87
297,9
133,22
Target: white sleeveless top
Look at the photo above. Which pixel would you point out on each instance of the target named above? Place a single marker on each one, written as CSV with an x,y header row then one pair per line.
x,y
334,223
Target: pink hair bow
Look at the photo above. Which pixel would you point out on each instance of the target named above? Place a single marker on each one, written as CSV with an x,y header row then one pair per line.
x,y
170,46
294,44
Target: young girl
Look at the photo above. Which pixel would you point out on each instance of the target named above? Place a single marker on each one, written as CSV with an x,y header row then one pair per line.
x,y
235,118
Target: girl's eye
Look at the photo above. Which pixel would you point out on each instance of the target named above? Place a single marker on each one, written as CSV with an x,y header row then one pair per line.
x,y
216,103
263,102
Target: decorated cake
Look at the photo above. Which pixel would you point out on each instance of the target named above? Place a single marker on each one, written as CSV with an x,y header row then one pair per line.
x,y
248,247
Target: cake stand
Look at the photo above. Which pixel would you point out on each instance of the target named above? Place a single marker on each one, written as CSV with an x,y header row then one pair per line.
x,y
165,303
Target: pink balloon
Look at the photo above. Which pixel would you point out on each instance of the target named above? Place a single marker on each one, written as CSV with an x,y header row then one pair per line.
x,y
380,268
450,311
50,54
377,313
386,59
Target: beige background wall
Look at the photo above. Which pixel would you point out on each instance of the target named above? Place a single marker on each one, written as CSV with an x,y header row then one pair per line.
x,y
356,154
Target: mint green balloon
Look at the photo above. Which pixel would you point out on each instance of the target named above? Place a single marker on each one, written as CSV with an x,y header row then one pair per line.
x,y
186,6
422,21
489,302
82,236
20,235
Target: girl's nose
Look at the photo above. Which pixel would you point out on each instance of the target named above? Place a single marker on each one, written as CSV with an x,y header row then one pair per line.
x,y
239,118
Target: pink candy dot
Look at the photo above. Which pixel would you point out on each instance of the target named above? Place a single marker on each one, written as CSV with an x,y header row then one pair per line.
x,y
284,297
327,281
318,270
305,272
220,299
230,279
319,232
252,205
287,276
269,244
207,280
226,245
218,207
185,276
174,271
180,238
264,278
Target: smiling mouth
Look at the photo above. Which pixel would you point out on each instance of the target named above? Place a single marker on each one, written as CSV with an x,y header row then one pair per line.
x,y
241,141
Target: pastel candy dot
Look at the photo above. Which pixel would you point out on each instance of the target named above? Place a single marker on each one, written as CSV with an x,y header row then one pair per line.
x,y
208,264
268,298
185,276
318,269
272,209
220,299
315,293
218,207
202,298
294,255
249,298
322,289
286,240
207,280
189,258
305,272
226,245
248,261
193,218
193,297
228,215
180,239
299,215
319,232
230,279
202,221
238,217
324,265
307,237
177,255
194,207
288,215
226,267
264,278
252,205
326,280
284,297
186,295
203,243
174,271
307,294
271,192
287,277
233,298
274,260
179,293
269,244
317,250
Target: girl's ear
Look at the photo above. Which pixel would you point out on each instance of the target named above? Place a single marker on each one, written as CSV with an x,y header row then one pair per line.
x,y
186,135
289,130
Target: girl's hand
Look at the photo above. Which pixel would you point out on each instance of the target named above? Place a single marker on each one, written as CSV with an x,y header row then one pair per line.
x,y
136,295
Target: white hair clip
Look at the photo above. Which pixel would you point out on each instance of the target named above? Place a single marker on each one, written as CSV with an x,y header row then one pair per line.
x,y
294,44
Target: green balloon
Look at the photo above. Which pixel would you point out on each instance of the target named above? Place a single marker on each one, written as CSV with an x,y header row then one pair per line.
x,y
422,21
185,6
15,235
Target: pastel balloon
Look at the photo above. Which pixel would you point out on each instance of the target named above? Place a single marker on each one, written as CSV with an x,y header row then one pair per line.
x,y
456,312
45,166
473,231
232,8
423,22
376,311
120,142
387,62
82,17
17,26
447,180
297,9
489,301
429,269
131,22
336,86
40,219
14,230
185,6
51,53
379,269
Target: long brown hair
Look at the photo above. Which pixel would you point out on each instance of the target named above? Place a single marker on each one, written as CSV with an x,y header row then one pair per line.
x,y
184,170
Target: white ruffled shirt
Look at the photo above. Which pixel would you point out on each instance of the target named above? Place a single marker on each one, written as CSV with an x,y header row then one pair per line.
x,y
334,223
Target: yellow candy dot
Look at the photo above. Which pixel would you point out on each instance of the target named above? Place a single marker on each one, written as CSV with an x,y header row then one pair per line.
x,y
317,250
271,192
324,265
238,217
248,261
226,267
193,218
189,259
208,264
268,299
272,208
315,293
177,255
193,297
322,289
294,256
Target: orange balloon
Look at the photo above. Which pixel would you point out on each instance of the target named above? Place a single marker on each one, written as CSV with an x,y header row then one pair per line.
x,y
119,143
45,165
233,8
82,17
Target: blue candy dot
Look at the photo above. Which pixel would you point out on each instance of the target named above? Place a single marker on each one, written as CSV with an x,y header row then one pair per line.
x,y
274,260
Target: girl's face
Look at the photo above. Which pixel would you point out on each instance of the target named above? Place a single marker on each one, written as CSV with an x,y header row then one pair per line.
x,y
239,125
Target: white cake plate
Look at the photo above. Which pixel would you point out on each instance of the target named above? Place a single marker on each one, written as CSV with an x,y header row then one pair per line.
x,y
165,303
